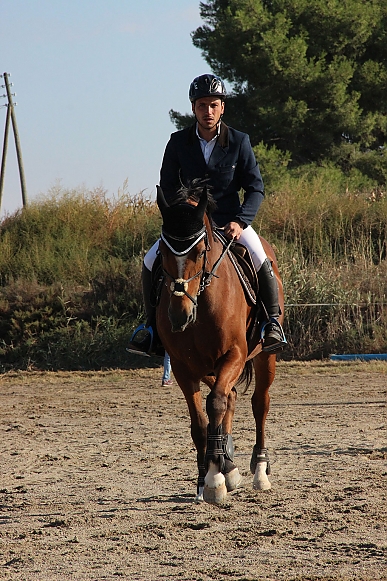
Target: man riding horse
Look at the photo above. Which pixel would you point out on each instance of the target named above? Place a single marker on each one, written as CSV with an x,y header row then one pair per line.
x,y
223,157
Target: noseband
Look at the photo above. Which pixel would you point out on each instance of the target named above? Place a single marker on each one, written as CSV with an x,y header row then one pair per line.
x,y
179,286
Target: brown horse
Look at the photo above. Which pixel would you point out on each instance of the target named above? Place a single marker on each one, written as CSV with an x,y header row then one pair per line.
x,y
202,319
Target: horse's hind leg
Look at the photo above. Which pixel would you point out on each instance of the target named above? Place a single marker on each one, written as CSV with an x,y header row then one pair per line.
x,y
264,365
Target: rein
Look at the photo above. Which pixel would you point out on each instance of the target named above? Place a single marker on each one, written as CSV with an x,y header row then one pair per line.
x,y
210,275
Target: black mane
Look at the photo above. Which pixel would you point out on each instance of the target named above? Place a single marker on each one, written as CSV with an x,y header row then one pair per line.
x,y
183,220
193,192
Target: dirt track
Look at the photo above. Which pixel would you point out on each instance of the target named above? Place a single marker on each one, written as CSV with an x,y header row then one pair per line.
x,y
98,479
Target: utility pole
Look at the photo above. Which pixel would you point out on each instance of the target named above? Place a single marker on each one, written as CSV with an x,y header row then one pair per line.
x,y
5,148
11,114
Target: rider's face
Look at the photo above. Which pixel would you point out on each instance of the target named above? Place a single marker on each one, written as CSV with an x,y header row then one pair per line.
x,y
208,111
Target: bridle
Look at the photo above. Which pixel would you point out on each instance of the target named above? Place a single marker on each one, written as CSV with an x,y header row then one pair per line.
x,y
179,286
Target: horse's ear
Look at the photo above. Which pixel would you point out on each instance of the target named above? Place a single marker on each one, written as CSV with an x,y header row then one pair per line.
x,y
161,201
202,205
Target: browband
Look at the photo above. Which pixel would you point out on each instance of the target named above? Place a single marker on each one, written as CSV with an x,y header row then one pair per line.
x,y
196,238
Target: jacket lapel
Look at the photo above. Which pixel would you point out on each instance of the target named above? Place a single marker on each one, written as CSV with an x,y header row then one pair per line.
x,y
221,147
196,151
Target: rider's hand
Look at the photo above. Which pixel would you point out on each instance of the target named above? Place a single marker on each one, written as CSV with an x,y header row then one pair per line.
x,y
233,230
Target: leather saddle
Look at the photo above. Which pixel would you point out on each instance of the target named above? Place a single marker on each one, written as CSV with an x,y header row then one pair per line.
x,y
243,263
245,269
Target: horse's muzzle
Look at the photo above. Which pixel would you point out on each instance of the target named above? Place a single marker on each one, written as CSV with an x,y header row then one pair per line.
x,y
180,318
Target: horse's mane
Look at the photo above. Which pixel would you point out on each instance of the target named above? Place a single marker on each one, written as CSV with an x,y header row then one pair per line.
x,y
193,192
181,218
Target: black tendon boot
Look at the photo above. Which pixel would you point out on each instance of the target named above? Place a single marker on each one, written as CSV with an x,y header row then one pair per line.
x,y
144,339
273,335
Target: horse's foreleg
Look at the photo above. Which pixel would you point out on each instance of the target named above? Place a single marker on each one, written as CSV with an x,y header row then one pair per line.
x,y
199,422
231,472
264,365
229,415
222,474
215,489
220,404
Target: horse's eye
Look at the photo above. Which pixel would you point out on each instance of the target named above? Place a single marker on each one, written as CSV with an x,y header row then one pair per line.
x,y
201,254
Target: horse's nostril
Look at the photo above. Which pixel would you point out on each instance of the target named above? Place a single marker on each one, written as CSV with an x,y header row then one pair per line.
x,y
180,319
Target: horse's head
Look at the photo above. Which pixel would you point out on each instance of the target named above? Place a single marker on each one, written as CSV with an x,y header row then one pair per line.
x,y
183,248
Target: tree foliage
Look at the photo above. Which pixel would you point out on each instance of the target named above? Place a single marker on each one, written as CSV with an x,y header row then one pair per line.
x,y
307,76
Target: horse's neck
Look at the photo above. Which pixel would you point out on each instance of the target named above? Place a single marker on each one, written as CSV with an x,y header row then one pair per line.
x,y
208,225
215,248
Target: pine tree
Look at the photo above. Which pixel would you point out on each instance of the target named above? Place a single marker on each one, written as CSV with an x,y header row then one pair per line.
x,y
307,76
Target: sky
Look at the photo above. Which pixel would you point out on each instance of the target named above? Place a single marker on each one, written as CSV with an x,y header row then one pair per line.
x,y
94,83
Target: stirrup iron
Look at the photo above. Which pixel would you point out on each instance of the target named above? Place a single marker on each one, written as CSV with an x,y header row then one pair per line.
x,y
141,346
281,343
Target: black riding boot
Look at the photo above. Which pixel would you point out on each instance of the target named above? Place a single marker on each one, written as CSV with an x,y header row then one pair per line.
x,y
150,310
273,335
144,340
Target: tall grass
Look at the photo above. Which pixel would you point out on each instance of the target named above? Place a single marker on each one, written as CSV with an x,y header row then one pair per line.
x,y
70,264
331,246
72,235
70,288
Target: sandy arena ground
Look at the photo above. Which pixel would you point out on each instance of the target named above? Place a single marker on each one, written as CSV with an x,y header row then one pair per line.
x,y
98,479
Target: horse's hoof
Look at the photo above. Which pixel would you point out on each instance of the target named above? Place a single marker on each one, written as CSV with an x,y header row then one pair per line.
x,y
215,490
233,479
258,485
215,495
261,481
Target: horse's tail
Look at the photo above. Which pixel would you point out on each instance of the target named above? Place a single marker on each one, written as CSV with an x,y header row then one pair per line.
x,y
246,376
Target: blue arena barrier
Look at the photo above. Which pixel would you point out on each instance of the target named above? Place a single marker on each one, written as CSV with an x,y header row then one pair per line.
x,y
362,356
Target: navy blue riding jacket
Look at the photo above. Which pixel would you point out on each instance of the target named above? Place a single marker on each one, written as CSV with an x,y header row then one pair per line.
x,y
232,166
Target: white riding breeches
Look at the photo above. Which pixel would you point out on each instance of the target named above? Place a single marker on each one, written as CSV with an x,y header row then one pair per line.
x,y
249,238
252,241
150,256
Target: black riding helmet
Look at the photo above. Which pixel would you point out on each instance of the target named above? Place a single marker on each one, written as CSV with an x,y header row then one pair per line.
x,y
207,86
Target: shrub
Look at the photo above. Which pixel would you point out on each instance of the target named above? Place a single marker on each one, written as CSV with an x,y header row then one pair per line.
x,y
70,264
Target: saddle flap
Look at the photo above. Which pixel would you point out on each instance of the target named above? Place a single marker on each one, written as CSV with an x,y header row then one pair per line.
x,y
247,274
243,264
246,266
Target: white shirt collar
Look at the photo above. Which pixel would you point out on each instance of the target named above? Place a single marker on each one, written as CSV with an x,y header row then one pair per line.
x,y
215,136
207,146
